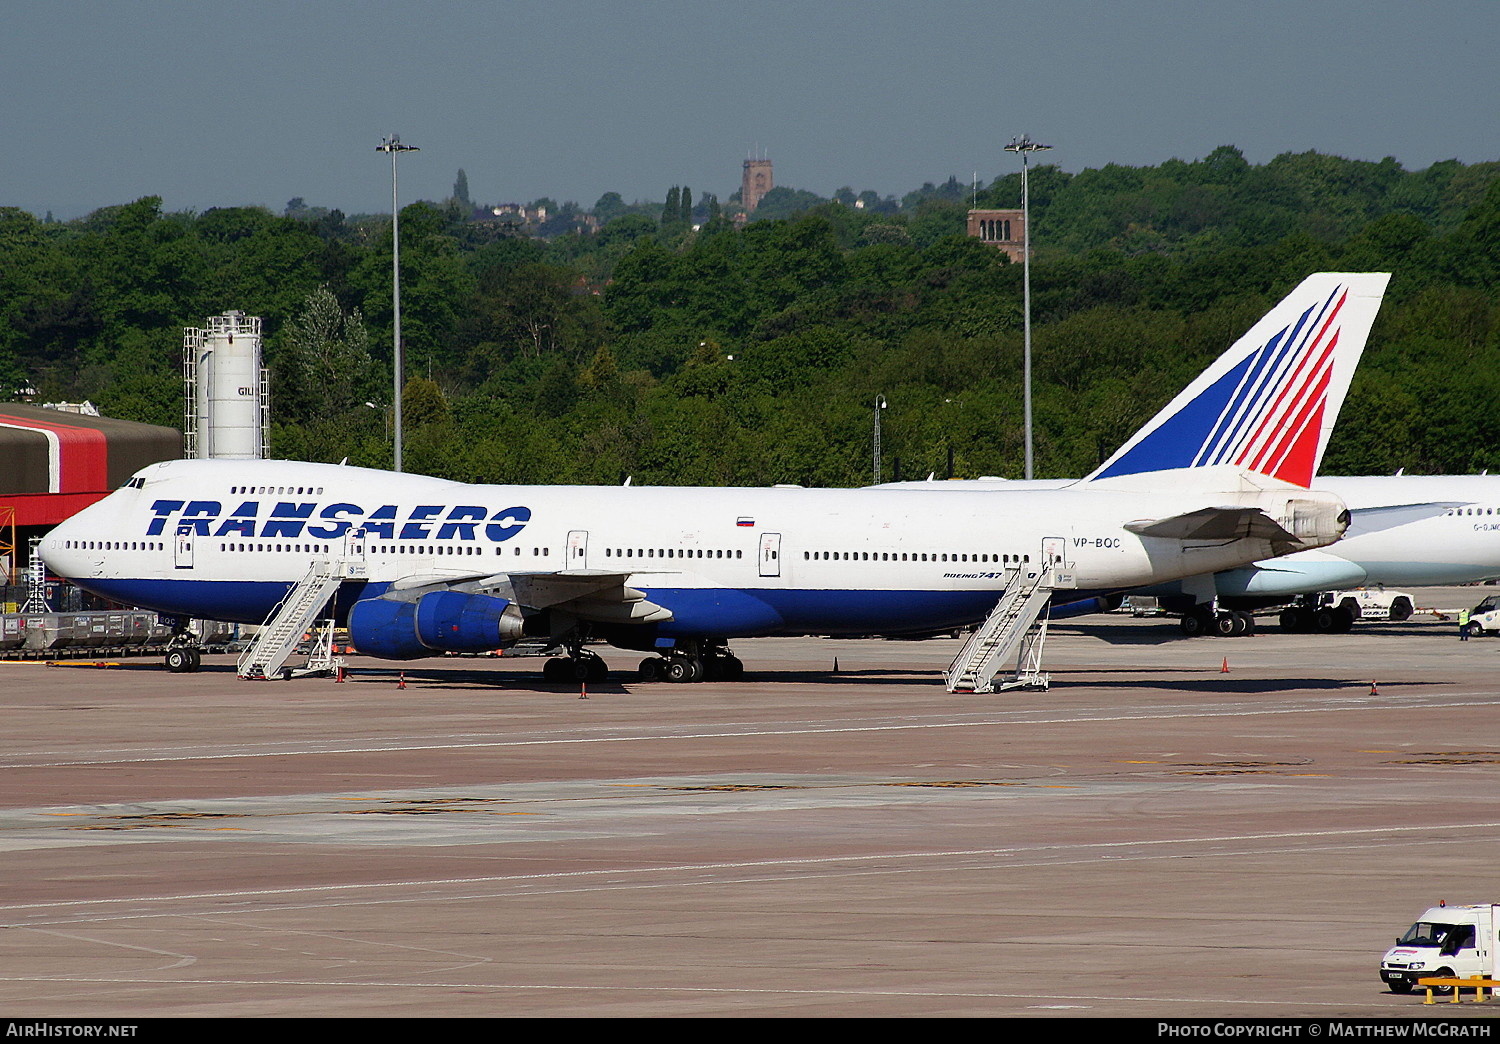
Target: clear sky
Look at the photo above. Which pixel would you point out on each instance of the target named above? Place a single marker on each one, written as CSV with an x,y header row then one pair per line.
x,y
221,102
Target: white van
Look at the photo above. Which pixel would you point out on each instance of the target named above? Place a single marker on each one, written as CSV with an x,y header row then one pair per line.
x,y
1484,618
1446,942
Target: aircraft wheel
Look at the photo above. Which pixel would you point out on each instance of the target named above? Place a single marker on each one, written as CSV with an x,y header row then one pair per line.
x,y
1193,625
1225,626
598,670
1291,621
681,670
650,669
555,670
179,661
195,660
734,670
1249,622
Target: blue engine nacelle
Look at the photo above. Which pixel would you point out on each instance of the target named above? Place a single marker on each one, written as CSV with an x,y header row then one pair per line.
x,y
1086,606
443,621
451,621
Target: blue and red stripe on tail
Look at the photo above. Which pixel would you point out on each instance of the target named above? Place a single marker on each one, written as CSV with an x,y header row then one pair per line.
x,y
1268,404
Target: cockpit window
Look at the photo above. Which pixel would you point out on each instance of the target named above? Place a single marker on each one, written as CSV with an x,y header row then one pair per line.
x,y
136,483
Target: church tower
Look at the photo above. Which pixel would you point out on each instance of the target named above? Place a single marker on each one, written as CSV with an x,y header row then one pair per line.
x,y
756,183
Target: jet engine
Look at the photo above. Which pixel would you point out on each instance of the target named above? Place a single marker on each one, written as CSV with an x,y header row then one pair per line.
x,y
437,622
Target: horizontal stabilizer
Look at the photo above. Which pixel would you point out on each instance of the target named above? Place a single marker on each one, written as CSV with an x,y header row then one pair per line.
x,y
1376,519
1215,523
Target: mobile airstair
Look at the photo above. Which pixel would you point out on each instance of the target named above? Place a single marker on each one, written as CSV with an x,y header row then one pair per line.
x,y
300,612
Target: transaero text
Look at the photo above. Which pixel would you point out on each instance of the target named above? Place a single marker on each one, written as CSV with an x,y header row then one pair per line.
x,y
297,520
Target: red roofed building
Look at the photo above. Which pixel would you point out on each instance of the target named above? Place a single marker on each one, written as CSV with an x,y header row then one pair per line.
x,y
54,464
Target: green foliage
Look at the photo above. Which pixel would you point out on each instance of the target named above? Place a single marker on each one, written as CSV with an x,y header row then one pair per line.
x,y
321,366
782,202
751,355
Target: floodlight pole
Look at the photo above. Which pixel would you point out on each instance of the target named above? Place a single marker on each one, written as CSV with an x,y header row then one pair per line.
x,y
1024,145
398,363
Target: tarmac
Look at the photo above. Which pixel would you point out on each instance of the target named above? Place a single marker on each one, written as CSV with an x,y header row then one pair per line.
x,y
1176,829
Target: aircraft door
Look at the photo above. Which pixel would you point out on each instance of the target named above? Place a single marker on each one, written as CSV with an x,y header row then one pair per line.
x,y
1055,553
770,554
182,555
578,549
354,554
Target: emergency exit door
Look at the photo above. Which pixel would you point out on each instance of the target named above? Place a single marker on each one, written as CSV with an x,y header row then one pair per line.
x,y
578,549
182,555
770,554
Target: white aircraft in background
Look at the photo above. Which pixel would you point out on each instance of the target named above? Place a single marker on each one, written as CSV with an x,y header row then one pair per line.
x,y
444,566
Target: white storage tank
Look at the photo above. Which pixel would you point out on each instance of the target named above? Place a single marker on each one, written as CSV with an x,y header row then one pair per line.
x,y
227,407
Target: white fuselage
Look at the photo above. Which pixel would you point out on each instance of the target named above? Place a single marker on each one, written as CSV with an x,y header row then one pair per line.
x,y
225,539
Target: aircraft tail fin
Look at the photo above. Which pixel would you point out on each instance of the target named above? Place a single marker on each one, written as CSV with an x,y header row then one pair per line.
x,y
1269,403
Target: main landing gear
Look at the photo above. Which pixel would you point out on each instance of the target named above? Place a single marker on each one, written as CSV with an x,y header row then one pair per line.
x,y
1218,623
691,662
580,665
1330,619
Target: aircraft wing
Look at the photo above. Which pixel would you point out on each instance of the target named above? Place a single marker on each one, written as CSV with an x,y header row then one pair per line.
x,y
1216,523
591,594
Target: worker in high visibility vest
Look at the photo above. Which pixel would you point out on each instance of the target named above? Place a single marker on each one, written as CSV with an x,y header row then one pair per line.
x,y
1463,625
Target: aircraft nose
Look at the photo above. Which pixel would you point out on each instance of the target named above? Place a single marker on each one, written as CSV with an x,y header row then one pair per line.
x,y
56,549
65,549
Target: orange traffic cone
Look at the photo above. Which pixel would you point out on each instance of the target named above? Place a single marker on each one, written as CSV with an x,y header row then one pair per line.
x,y
1225,669
401,680
1374,689
583,690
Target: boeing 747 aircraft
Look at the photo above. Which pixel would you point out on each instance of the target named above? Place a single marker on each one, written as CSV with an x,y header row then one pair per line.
x,y
430,566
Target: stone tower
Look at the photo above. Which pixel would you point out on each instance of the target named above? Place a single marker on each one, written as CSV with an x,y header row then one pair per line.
x,y
757,182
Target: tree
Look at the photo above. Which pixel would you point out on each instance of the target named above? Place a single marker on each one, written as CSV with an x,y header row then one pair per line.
x,y
323,368
609,207
461,188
